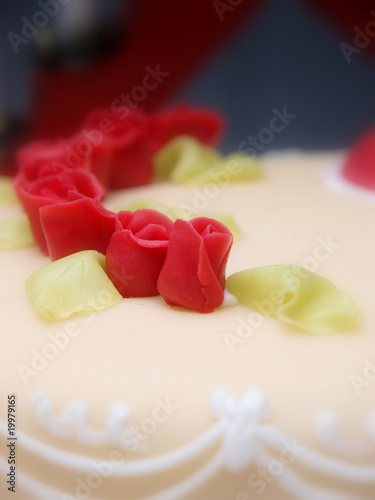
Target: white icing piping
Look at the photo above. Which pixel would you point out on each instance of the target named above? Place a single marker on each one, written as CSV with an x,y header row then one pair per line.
x,y
302,490
243,437
42,492
129,468
73,422
288,480
336,182
317,462
328,433
193,482
35,488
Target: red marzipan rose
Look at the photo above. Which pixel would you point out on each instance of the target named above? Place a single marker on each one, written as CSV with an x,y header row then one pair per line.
x,y
204,124
136,253
41,158
45,149
193,275
68,185
79,225
118,147
359,166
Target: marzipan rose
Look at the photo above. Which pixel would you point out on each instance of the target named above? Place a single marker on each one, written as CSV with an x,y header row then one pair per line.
x,y
206,125
65,186
38,159
193,275
118,147
136,252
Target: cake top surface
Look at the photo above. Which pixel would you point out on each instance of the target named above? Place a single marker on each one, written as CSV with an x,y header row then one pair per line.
x,y
146,355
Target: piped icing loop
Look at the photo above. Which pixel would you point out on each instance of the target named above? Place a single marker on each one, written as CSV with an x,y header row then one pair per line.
x,y
117,415
329,434
72,423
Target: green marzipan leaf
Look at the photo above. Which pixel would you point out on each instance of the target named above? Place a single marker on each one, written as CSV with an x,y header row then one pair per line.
x,y
295,296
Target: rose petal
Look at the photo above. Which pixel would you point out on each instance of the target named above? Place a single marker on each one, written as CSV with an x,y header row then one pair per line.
x,y
134,264
141,218
79,225
153,232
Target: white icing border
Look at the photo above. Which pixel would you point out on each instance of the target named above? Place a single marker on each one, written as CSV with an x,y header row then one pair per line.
x,y
244,439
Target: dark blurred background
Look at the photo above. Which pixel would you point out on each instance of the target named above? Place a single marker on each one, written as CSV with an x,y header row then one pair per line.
x,y
310,61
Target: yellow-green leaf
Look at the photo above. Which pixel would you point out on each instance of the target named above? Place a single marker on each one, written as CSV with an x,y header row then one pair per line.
x,y
77,284
235,167
7,193
16,233
295,296
182,158
186,160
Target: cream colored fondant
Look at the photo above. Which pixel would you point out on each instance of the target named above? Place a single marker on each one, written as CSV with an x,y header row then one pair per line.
x,y
165,364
